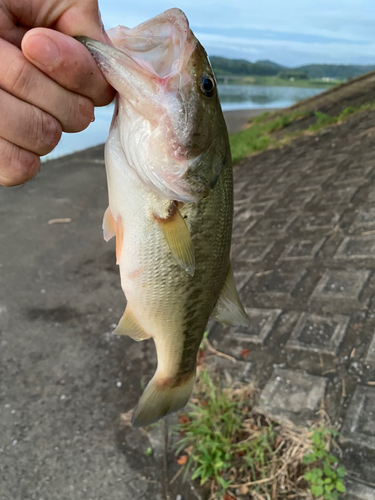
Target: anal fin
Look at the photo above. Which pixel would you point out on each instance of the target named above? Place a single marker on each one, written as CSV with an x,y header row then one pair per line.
x,y
177,235
128,325
109,225
228,309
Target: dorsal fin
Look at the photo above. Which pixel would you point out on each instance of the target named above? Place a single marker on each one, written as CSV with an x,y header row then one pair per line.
x,y
177,235
228,309
129,326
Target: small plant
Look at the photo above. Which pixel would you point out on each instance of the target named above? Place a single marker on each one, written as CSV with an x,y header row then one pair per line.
x,y
236,450
326,478
209,429
322,120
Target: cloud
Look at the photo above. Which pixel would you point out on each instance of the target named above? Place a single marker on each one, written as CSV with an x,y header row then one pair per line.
x,y
288,52
289,32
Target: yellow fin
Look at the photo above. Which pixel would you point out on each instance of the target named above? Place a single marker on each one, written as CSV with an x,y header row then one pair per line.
x,y
162,397
119,238
178,237
228,309
129,326
109,226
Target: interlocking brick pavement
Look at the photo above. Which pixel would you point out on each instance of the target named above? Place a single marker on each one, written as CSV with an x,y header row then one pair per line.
x,y
304,256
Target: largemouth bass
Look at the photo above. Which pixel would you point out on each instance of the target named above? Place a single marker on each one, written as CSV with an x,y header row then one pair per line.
x,y
170,192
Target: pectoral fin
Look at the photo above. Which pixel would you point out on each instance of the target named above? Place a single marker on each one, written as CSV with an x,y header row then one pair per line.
x,y
109,225
129,326
228,309
178,237
119,238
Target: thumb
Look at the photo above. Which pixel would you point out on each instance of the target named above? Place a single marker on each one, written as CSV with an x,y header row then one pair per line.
x,y
83,19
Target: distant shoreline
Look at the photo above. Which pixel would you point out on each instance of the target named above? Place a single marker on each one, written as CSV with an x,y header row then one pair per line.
x,y
276,82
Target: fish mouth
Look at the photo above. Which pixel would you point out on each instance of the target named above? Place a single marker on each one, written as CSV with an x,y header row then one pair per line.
x,y
153,52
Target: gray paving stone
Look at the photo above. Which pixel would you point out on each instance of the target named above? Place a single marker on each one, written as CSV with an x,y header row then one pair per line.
x,y
279,284
292,395
321,221
241,278
261,207
243,192
358,247
365,218
242,228
231,371
298,200
263,178
370,356
302,249
316,181
343,288
371,196
356,175
338,196
278,189
264,197
253,252
263,321
359,425
358,491
275,225
319,333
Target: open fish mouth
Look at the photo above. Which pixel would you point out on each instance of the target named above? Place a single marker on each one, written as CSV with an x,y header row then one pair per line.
x,y
157,48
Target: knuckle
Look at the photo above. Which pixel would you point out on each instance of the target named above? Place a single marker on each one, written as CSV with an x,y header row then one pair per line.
x,y
19,77
17,165
44,131
80,114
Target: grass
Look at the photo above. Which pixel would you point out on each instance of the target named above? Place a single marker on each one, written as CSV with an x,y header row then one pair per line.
x,y
258,136
235,450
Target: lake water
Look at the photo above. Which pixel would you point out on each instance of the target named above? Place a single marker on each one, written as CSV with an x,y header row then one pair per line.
x,y
231,96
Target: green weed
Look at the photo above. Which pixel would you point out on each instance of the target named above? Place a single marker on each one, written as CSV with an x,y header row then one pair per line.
x,y
258,136
231,448
322,120
326,478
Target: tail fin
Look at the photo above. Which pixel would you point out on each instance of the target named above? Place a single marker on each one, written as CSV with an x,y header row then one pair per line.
x,y
159,399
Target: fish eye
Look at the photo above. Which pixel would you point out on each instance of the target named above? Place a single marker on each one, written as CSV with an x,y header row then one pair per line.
x,y
207,86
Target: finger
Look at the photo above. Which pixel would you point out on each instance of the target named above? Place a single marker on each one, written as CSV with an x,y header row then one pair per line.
x,y
27,126
9,31
23,80
16,164
68,63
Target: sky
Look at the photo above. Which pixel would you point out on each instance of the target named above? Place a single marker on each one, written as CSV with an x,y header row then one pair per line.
x,y
289,32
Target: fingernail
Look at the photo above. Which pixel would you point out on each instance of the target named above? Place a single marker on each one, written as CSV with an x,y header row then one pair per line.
x,y
43,49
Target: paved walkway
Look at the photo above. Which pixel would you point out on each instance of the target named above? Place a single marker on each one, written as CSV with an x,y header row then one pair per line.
x,y
303,254
304,259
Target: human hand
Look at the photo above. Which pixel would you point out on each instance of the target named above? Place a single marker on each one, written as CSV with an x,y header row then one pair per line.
x,y
49,86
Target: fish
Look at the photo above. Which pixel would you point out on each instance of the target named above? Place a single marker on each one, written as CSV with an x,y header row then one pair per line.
x,y
170,190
